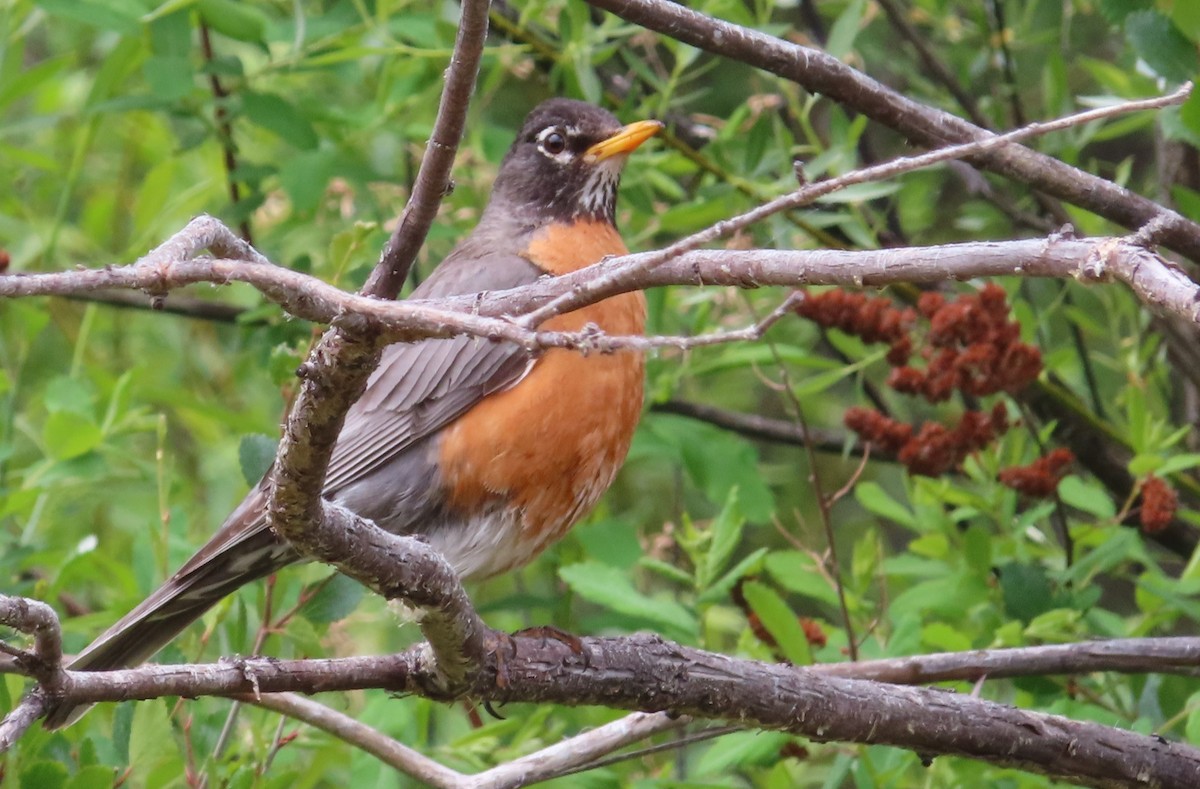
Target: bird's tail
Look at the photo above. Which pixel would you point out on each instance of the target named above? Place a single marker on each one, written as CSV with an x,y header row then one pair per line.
x,y
243,550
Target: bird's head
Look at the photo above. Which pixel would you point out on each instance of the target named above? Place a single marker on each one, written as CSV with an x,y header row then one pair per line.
x,y
566,163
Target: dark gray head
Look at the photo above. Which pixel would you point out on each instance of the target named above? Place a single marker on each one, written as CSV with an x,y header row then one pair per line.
x,y
566,164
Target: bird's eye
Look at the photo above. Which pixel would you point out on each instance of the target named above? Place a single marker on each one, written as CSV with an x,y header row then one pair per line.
x,y
554,143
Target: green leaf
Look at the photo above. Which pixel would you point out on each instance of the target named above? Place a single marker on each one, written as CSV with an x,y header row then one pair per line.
x,y
1027,591
150,742
875,499
337,597
1056,626
170,28
977,548
44,775
256,453
170,77
1189,116
306,177
276,114
1192,727
1186,17
1188,200
240,21
118,16
798,573
610,587
69,435
1159,43
1119,547
947,596
845,29
667,570
726,531
741,750
779,620
1115,11
96,776
67,393
1087,496
123,729
943,637
862,193
720,589
717,461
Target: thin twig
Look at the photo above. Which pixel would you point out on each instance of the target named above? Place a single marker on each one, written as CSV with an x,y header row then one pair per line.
x,y
349,730
824,504
761,427
183,306
933,65
433,178
224,131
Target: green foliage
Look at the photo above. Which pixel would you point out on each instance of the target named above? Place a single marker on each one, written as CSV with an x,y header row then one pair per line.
x,y
126,436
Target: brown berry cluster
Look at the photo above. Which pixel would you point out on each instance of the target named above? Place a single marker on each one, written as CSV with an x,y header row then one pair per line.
x,y
935,448
1040,478
1159,502
971,346
870,319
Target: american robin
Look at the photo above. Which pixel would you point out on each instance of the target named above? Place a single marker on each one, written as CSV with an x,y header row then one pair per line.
x,y
489,452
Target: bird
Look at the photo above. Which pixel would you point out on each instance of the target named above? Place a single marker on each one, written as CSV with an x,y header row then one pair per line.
x,y
488,451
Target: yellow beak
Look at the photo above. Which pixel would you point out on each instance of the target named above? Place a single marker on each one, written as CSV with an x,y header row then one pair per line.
x,y
624,141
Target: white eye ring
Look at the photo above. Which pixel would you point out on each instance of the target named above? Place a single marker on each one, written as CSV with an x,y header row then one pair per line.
x,y
554,143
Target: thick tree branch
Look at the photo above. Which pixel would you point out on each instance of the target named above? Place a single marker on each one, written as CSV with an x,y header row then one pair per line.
x,y
1156,282
335,375
38,620
819,72
828,702
402,672
43,663
649,673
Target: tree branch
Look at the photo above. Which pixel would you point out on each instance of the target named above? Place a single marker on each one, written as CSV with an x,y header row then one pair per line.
x,y
765,428
334,377
819,72
342,726
825,702
1153,280
650,674
433,179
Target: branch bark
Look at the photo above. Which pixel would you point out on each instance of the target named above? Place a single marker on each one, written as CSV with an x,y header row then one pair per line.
x,y
827,702
1161,286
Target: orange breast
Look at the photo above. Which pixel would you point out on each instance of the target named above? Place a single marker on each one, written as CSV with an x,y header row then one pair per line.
x,y
552,444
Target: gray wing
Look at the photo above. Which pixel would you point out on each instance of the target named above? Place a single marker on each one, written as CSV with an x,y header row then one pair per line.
x,y
422,386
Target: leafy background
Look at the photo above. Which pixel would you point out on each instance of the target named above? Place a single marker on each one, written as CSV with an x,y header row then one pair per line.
x,y
127,435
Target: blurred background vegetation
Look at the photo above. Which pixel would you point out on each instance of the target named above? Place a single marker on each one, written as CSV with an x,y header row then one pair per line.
x,y
126,435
